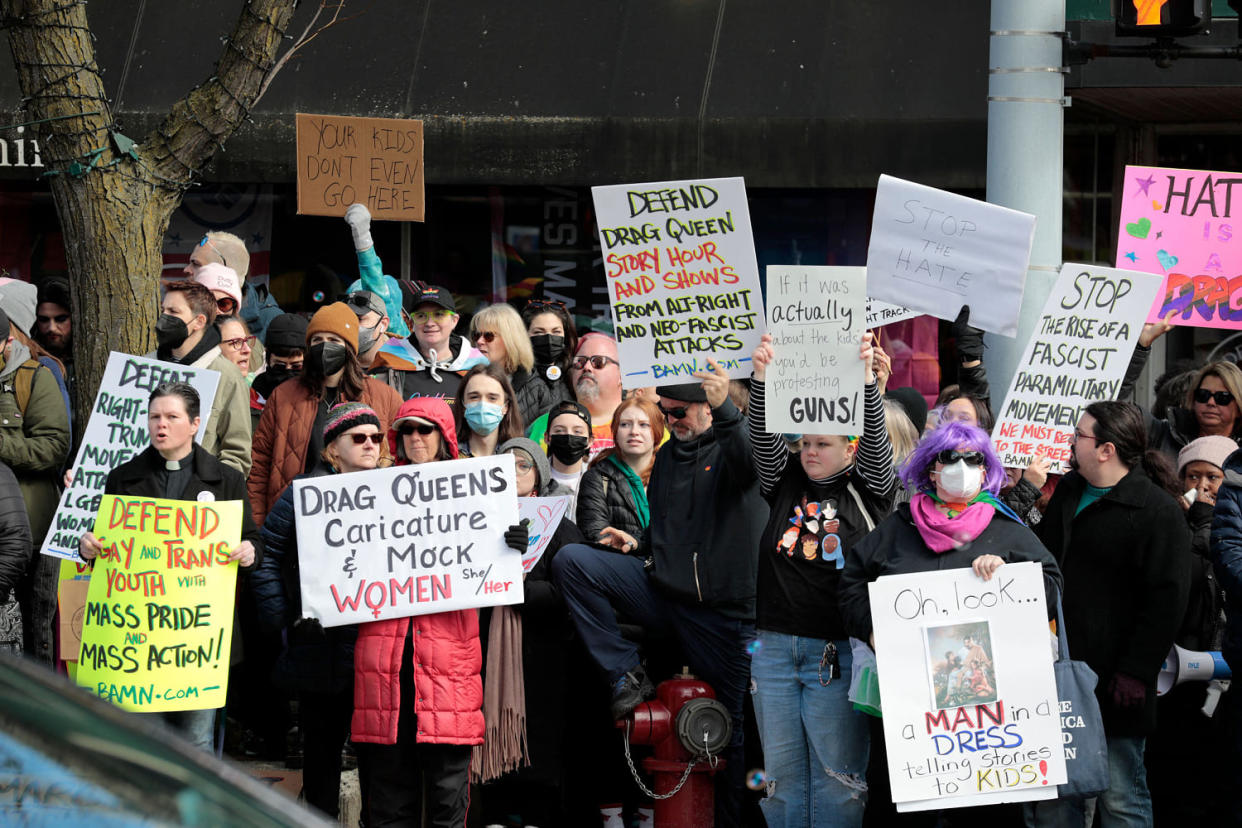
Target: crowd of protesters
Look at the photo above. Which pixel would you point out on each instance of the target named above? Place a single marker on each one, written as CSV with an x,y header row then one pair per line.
x,y
743,553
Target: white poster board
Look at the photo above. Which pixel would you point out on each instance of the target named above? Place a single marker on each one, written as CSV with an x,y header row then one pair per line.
x,y
1078,354
407,540
682,278
971,715
816,317
933,251
881,313
545,515
116,432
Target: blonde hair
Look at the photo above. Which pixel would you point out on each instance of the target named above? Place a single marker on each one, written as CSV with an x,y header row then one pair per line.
x,y
509,327
233,250
901,431
1229,375
333,459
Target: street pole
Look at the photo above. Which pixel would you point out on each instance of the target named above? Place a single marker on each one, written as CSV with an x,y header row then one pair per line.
x,y
1026,96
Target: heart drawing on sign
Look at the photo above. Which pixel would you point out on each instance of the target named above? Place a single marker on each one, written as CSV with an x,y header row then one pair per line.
x,y
1139,229
1167,259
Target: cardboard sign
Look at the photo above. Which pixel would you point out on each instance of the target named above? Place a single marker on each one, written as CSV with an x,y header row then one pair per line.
x,y
374,161
72,604
1182,225
682,277
1077,355
407,540
933,251
545,515
158,627
971,715
816,317
116,432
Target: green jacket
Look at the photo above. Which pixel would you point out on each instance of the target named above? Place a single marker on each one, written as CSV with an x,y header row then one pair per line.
x,y
228,429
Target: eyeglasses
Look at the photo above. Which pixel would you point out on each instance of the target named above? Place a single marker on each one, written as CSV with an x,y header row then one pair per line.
x,y
227,305
1202,395
538,304
59,319
407,429
423,317
674,413
359,439
486,336
206,242
950,456
597,362
523,467
239,342
1078,435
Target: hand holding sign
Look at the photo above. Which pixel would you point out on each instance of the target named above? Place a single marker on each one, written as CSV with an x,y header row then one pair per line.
x,y
715,383
762,357
244,554
1154,330
89,546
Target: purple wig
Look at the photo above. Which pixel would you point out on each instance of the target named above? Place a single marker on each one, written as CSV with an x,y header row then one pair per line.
x,y
922,461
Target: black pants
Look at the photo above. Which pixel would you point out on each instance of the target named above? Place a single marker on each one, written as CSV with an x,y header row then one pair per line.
x,y
324,719
398,777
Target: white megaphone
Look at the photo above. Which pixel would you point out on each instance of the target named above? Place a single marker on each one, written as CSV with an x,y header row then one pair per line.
x,y
1182,665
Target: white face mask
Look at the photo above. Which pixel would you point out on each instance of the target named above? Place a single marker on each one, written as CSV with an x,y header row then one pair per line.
x,y
961,480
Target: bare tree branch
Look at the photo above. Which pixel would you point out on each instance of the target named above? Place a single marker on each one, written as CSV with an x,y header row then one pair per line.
x,y
308,34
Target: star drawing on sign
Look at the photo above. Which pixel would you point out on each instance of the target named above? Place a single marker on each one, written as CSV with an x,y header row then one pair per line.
x,y
1144,183
1159,233
1131,256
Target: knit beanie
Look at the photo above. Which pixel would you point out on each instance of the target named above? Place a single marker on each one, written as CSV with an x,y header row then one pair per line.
x,y
337,319
543,469
287,331
345,416
1215,450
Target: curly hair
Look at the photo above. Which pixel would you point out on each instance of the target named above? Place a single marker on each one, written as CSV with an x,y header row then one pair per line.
x,y
922,461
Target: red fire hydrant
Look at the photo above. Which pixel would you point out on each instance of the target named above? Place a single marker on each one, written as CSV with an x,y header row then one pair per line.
x,y
689,730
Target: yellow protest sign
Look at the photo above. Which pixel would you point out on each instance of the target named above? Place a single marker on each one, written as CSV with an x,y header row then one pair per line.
x,y
159,614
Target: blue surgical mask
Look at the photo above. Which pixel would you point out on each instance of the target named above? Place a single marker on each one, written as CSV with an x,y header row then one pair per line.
x,y
484,417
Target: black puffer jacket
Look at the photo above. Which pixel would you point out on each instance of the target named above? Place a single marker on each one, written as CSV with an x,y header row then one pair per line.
x,y
15,543
605,499
534,398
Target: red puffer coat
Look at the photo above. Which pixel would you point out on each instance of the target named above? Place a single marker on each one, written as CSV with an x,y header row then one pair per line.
x,y
448,687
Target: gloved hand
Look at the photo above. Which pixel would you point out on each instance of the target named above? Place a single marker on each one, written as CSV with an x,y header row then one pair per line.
x,y
517,536
1126,691
969,339
306,631
358,217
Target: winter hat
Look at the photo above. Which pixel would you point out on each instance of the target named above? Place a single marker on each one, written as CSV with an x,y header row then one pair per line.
x,y
691,392
543,469
287,331
913,403
215,276
345,416
18,300
337,319
1215,450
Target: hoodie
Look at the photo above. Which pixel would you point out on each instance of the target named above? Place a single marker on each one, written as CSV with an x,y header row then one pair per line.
x,y
423,378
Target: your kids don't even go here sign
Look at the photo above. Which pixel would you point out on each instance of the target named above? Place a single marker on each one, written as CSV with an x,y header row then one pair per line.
x,y
682,278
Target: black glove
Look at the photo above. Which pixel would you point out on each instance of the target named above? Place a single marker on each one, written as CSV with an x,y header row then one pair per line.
x,y
517,536
969,339
306,631
1127,691
1200,513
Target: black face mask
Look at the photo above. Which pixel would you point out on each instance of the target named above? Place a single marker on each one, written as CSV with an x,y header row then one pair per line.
x,y
327,358
548,348
568,448
170,332
266,382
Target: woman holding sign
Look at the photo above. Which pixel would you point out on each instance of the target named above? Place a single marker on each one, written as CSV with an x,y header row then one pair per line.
x,y
820,507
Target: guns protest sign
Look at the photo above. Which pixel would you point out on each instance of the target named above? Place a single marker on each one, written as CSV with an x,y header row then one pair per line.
x,y
407,540
158,626
1178,224
816,317
683,281
375,161
115,432
1078,354
933,251
545,515
971,715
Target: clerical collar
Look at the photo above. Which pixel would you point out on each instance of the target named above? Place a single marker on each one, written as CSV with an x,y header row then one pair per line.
x,y
172,465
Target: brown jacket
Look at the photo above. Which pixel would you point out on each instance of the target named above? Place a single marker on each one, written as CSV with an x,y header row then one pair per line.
x,y
283,436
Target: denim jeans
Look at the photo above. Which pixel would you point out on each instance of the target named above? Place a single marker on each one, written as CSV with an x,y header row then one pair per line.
x,y
198,727
815,745
1126,803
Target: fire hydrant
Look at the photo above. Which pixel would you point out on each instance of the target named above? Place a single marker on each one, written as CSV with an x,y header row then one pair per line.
x,y
689,729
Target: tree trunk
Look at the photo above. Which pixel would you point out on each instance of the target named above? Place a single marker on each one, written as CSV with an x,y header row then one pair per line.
x,y
114,202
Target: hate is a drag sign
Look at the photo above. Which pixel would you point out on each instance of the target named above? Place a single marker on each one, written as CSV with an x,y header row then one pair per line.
x,y
682,278
971,715
407,540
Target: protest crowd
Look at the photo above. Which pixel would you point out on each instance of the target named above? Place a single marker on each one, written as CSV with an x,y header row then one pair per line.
x,y
695,538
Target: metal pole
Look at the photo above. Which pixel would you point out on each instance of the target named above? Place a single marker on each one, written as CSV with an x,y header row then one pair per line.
x,y
1026,96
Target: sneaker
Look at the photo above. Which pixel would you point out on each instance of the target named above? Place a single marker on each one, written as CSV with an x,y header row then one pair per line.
x,y
629,691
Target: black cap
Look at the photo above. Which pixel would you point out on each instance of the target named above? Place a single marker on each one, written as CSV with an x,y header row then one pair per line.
x,y
287,331
687,392
434,295
913,403
55,291
570,407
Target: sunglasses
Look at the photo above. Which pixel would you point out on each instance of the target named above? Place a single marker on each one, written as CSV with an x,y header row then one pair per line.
x,y
537,304
950,456
226,306
486,336
423,317
359,439
409,428
206,242
674,413
1202,395
59,319
236,344
361,301
597,362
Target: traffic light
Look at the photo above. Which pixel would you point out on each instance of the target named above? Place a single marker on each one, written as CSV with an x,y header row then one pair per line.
x,y
1161,18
